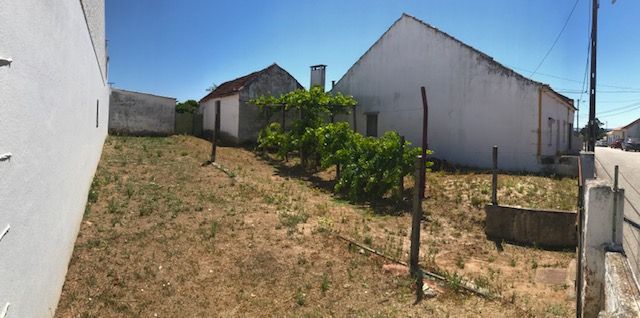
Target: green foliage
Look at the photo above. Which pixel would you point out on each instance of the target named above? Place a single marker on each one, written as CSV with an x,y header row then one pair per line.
x,y
189,106
370,167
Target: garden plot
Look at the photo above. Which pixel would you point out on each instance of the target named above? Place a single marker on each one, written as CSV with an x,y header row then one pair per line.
x,y
164,234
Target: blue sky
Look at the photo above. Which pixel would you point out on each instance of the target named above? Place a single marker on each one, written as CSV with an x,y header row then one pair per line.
x,y
178,48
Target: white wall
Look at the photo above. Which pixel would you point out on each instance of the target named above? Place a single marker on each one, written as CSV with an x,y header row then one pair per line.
x,y
48,103
473,103
229,115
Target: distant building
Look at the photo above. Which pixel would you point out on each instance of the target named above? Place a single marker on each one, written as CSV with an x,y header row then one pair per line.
x,y
630,130
474,101
241,121
55,101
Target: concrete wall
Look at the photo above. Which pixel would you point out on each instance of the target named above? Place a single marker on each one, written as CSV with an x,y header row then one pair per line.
x,y
474,103
274,81
633,131
229,117
49,98
140,114
547,228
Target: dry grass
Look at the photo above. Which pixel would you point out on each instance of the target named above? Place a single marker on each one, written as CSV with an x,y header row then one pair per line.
x,y
165,235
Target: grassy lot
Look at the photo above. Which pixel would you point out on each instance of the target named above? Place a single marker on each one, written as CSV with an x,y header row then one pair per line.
x,y
164,234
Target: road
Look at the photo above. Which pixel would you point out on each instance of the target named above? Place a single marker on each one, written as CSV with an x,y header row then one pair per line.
x,y
629,180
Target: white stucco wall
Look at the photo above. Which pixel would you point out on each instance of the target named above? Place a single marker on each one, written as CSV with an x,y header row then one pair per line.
x,y
473,102
229,115
48,100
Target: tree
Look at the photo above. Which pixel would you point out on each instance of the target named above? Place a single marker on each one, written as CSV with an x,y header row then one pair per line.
x,y
600,132
189,106
212,87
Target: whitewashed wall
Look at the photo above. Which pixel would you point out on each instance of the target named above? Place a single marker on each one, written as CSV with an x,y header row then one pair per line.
x,y
229,115
48,100
473,102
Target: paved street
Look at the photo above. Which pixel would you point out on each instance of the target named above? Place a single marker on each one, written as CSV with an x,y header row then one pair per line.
x,y
629,180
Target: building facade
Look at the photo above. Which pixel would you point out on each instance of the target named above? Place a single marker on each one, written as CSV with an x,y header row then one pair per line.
x,y
474,102
240,121
54,99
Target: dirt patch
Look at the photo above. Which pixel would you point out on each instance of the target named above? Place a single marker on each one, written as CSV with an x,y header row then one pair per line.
x,y
166,235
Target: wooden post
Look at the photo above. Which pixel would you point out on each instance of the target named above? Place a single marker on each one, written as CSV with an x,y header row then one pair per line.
x,y
216,131
283,124
414,266
425,130
401,180
337,172
494,179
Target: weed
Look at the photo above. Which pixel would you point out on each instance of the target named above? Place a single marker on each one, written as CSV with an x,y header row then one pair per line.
x,y
454,281
130,190
113,207
460,262
300,297
557,310
513,262
325,224
368,240
213,230
534,263
325,283
291,219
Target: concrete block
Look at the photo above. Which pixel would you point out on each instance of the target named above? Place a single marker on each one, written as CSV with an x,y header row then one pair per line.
x,y
550,228
621,296
588,160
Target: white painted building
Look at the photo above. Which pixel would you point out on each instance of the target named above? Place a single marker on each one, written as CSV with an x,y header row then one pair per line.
x,y
630,130
474,101
240,121
54,102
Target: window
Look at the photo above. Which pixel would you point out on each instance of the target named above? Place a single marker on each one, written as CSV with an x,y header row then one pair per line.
x,y
372,125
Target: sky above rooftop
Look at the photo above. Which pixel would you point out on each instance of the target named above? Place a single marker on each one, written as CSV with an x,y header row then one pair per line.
x,y
179,48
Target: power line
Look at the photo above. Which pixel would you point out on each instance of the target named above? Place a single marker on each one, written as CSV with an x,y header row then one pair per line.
x,y
620,108
566,22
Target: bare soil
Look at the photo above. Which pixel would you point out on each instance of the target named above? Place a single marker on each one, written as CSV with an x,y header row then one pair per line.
x,y
167,235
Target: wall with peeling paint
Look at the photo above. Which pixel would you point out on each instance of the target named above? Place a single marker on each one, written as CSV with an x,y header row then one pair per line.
x,y
474,103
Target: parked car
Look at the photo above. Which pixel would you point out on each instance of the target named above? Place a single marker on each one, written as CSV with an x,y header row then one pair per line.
x,y
601,143
616,144
631,143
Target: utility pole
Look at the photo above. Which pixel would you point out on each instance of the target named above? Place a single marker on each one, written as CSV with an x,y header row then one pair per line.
x,y
592,82
578,117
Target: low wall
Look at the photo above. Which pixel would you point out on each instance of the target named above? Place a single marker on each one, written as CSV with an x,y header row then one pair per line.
x,y
188,124
548,228
140,114
621,295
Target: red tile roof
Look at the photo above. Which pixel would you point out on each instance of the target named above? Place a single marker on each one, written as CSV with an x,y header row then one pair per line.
x,y
234,86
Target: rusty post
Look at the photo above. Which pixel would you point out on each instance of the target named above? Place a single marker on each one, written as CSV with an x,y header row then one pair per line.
x,y
425,126
494,179
414,266
216,131
283,124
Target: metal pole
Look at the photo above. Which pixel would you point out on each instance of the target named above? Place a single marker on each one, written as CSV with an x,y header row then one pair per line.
x,y
425,126
615,204
414,266
592,83
494,179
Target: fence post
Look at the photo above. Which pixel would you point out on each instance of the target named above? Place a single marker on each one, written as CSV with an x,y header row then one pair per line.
x,y
216,131
414,266
284,123
425,131
494,179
